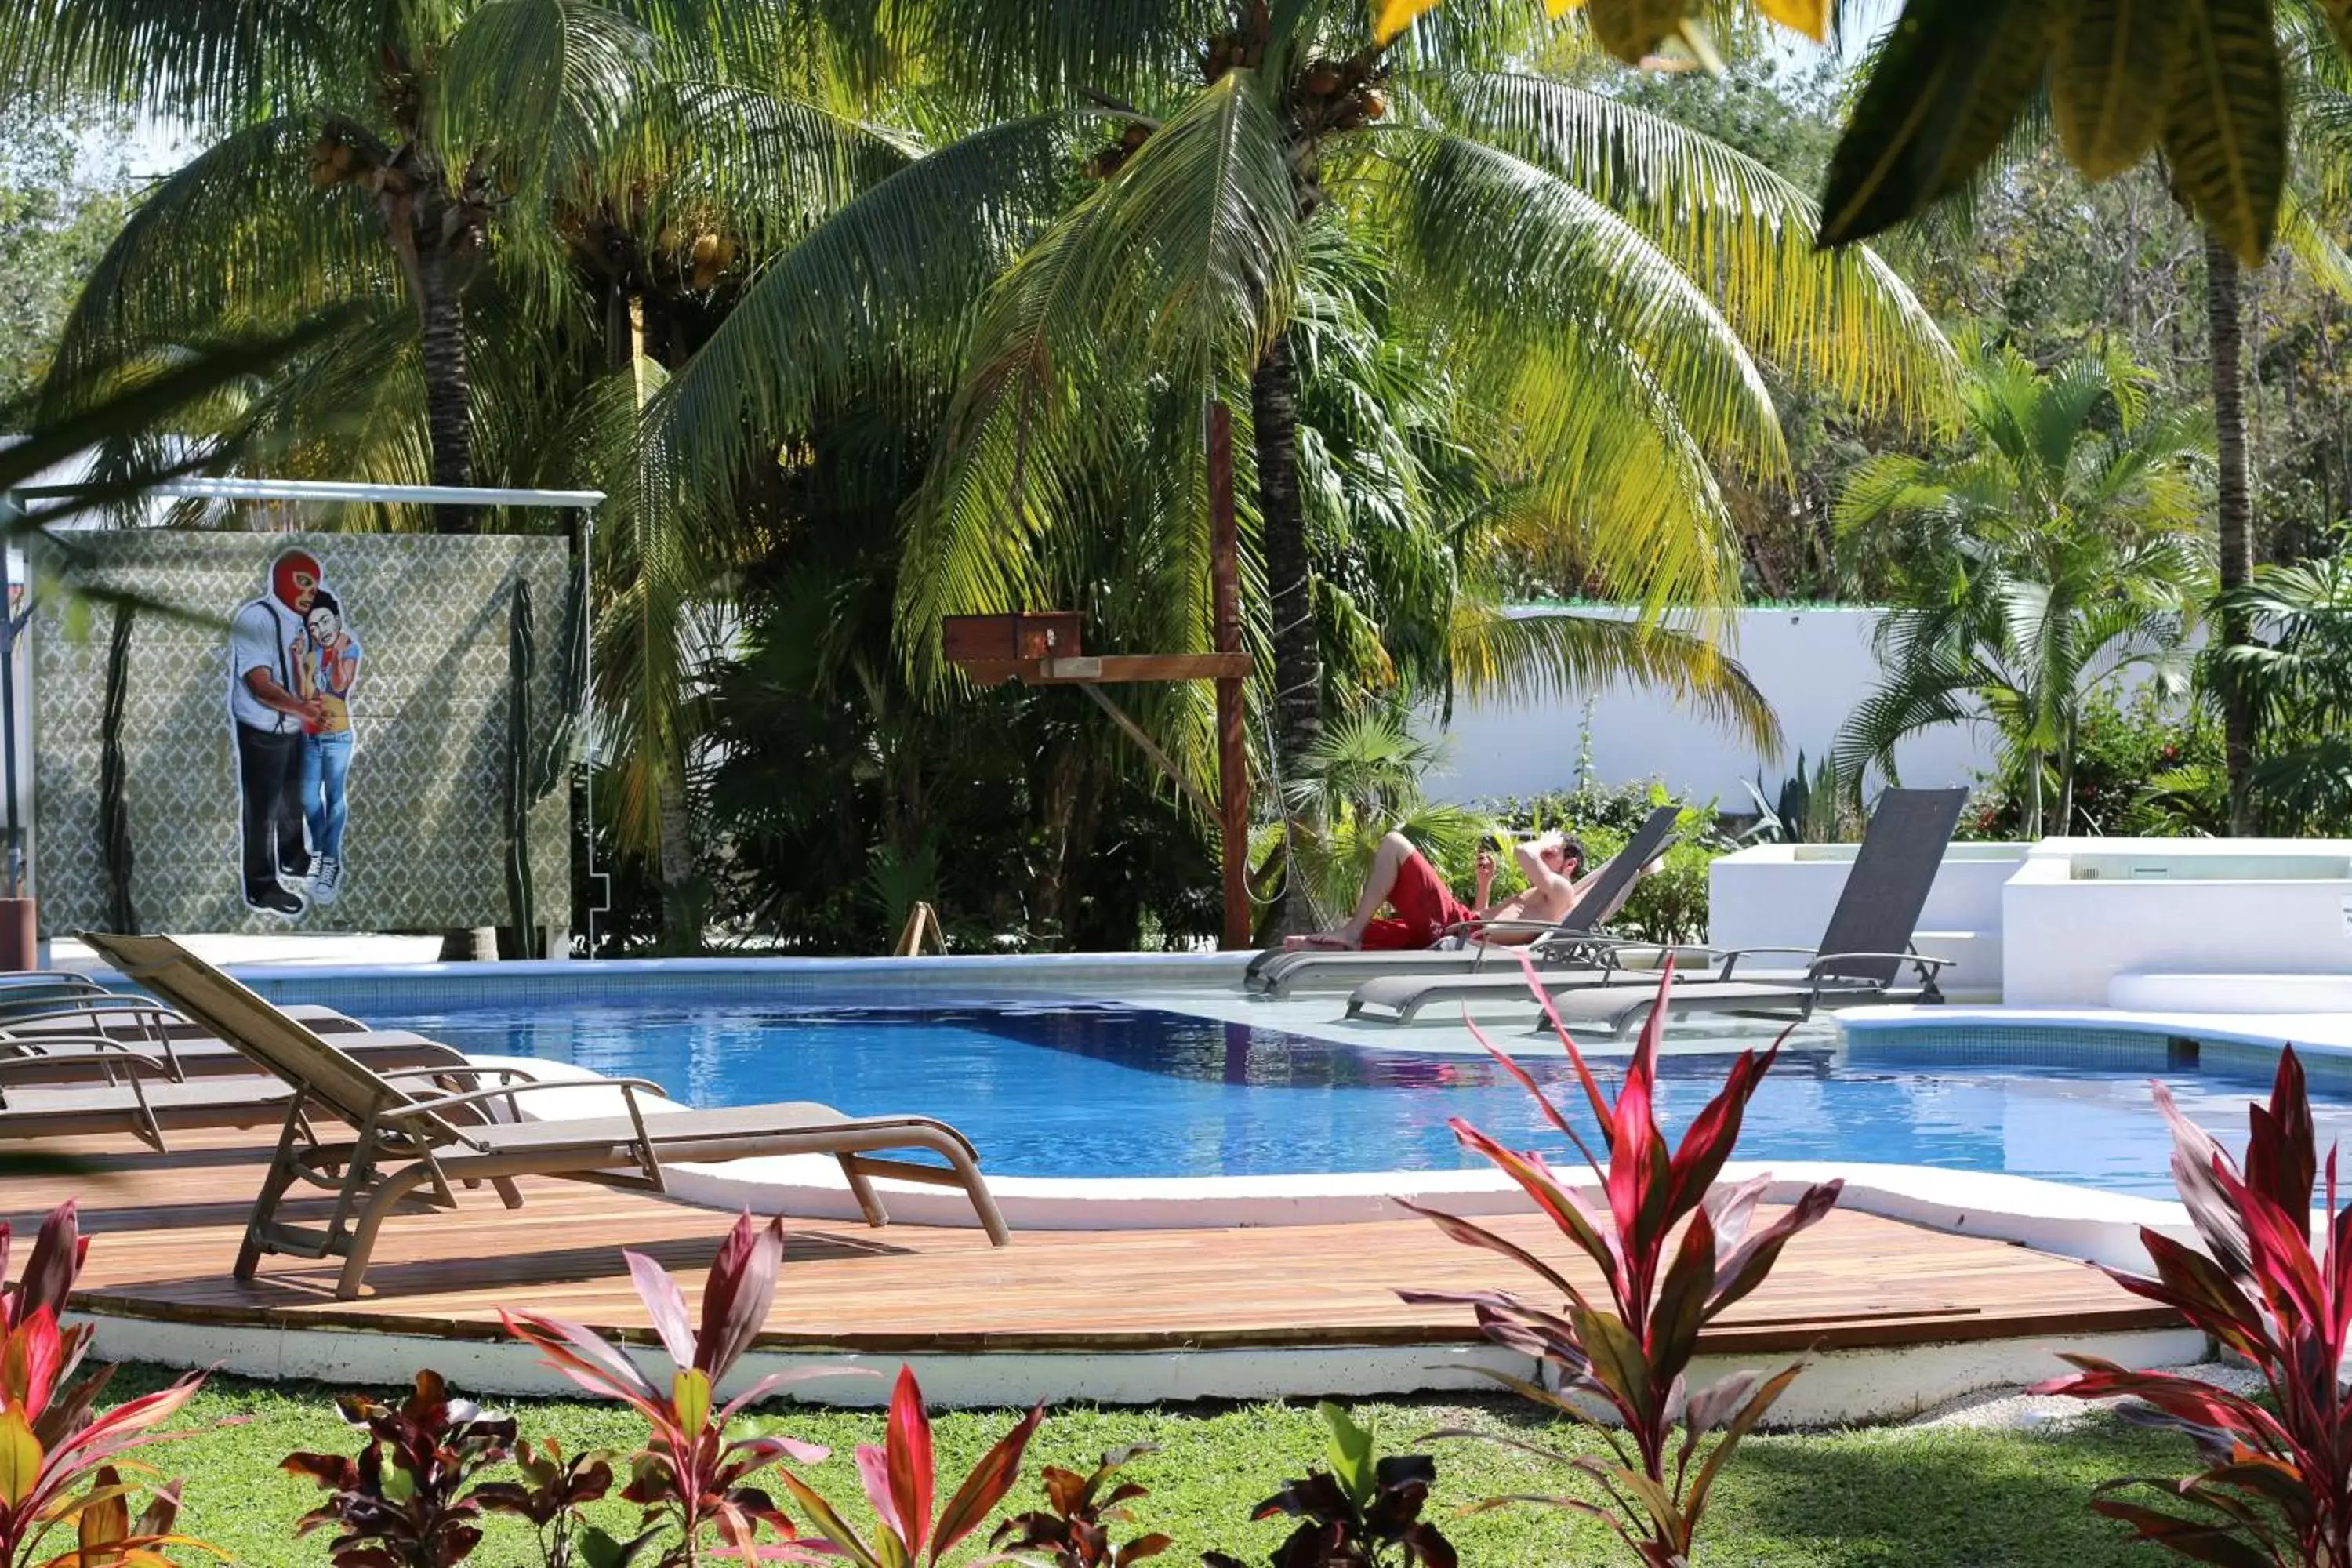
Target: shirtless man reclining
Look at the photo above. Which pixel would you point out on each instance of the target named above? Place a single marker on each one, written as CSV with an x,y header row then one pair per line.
x,y
1426,909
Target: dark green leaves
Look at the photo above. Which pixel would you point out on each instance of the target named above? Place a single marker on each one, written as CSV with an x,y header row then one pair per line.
x,y
1950,82
2225,135
2202,79
2112,79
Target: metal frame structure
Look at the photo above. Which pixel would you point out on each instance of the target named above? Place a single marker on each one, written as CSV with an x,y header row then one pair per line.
x,y
580,506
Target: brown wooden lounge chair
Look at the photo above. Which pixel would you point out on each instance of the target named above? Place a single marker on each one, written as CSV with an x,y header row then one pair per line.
x,y
406,1142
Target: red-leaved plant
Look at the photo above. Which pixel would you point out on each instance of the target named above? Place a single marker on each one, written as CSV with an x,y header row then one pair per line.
x,y
901,1484
690,1476
403,1501
1618,1363
2277,1486
1072,1529
553,1489
1363,1513
57,1455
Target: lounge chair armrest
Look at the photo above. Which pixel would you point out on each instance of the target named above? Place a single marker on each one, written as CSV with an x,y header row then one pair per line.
x,y
627,1085
114,1050
459,1068
1921,959
61,1009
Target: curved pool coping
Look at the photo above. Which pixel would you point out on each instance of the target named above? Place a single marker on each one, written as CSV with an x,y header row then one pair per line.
x,y
2071,1221
1839,1387
2050,1216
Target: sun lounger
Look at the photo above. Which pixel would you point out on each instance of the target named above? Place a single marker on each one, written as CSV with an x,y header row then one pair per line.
x,y
125,1016
148,1104
95,1059
1278,972
1862,952
406,1142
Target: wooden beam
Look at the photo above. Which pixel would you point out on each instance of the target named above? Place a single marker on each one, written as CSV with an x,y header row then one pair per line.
x,y
1108,670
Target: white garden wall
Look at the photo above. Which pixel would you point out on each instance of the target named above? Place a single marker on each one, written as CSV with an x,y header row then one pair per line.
x,y
1814,665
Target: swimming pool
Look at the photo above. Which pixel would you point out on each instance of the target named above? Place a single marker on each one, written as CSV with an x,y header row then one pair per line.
x,y
1099,1090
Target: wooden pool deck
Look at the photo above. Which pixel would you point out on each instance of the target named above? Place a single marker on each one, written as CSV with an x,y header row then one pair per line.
x,y
166,1227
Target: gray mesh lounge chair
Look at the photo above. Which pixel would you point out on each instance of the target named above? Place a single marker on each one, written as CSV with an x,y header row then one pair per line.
x,y
1277,973
406,1142
1861,952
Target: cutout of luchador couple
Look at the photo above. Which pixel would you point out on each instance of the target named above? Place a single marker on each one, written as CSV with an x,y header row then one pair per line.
x,y
293,661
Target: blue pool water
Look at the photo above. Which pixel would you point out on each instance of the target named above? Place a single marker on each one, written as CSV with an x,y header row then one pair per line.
x,y
1069,1089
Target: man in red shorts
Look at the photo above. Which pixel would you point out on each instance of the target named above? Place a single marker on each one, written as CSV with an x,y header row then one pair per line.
x,y
1426,910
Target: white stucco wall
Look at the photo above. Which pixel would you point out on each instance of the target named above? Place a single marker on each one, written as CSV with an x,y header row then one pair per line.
x,y
1814,665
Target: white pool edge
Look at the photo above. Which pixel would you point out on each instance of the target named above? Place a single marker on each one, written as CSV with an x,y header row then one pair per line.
x,y
2049,1216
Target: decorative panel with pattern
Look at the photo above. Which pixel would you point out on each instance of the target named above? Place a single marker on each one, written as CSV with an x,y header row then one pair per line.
x,y
426,844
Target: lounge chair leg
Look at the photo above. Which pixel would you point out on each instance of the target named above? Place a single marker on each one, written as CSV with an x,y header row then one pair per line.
x,y
861,1186
256,1226
509,1193
281,1175
394,1188
984,1202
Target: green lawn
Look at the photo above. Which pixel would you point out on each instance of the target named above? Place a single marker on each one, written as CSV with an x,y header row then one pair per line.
x,y
1886,1497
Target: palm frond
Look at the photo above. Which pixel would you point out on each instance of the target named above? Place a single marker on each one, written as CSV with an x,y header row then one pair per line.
x,y
1527,657
1843,319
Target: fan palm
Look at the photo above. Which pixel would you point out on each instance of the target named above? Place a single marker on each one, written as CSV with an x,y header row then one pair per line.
x,y
2057,552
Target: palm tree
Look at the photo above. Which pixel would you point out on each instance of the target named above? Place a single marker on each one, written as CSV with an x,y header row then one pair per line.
x,y
2057,552
2297,676
1629,272
363,149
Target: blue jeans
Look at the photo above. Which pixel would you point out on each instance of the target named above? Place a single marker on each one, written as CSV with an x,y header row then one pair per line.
x,y
326,763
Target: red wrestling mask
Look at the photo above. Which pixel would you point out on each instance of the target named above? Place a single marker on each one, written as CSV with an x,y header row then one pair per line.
x,y
294,579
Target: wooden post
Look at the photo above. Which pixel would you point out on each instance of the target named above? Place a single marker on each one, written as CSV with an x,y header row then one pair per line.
x,y
1233,740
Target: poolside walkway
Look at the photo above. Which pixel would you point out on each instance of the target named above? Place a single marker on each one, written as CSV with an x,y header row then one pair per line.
x,y
167,1225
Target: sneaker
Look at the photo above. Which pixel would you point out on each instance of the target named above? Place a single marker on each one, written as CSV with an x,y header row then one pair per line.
x,y
328,881
277,902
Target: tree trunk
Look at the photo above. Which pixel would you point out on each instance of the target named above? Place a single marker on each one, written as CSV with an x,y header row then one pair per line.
x,y
2033,795
1290,587
448,383
2236,518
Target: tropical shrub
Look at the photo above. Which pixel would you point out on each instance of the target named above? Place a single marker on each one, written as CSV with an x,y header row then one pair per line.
x,y
1626,1354
1364,1512
1072,1529
689,1478
901,1484
2144,768
402,1502
2276,1488
58,1470
1809,807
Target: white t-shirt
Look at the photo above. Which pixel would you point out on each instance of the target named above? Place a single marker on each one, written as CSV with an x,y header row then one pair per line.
x,y
257,639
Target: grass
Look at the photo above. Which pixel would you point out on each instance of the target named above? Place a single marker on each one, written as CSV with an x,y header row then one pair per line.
x,y
1917,1499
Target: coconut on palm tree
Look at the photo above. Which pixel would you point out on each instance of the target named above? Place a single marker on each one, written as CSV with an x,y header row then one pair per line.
x,y
2059,552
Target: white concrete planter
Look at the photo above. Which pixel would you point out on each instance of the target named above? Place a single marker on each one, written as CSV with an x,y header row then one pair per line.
x,y
2082,913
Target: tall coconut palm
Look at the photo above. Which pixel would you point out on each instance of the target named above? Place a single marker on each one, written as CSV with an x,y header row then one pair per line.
x,y
543,206
1626,275
365,148
2060,551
